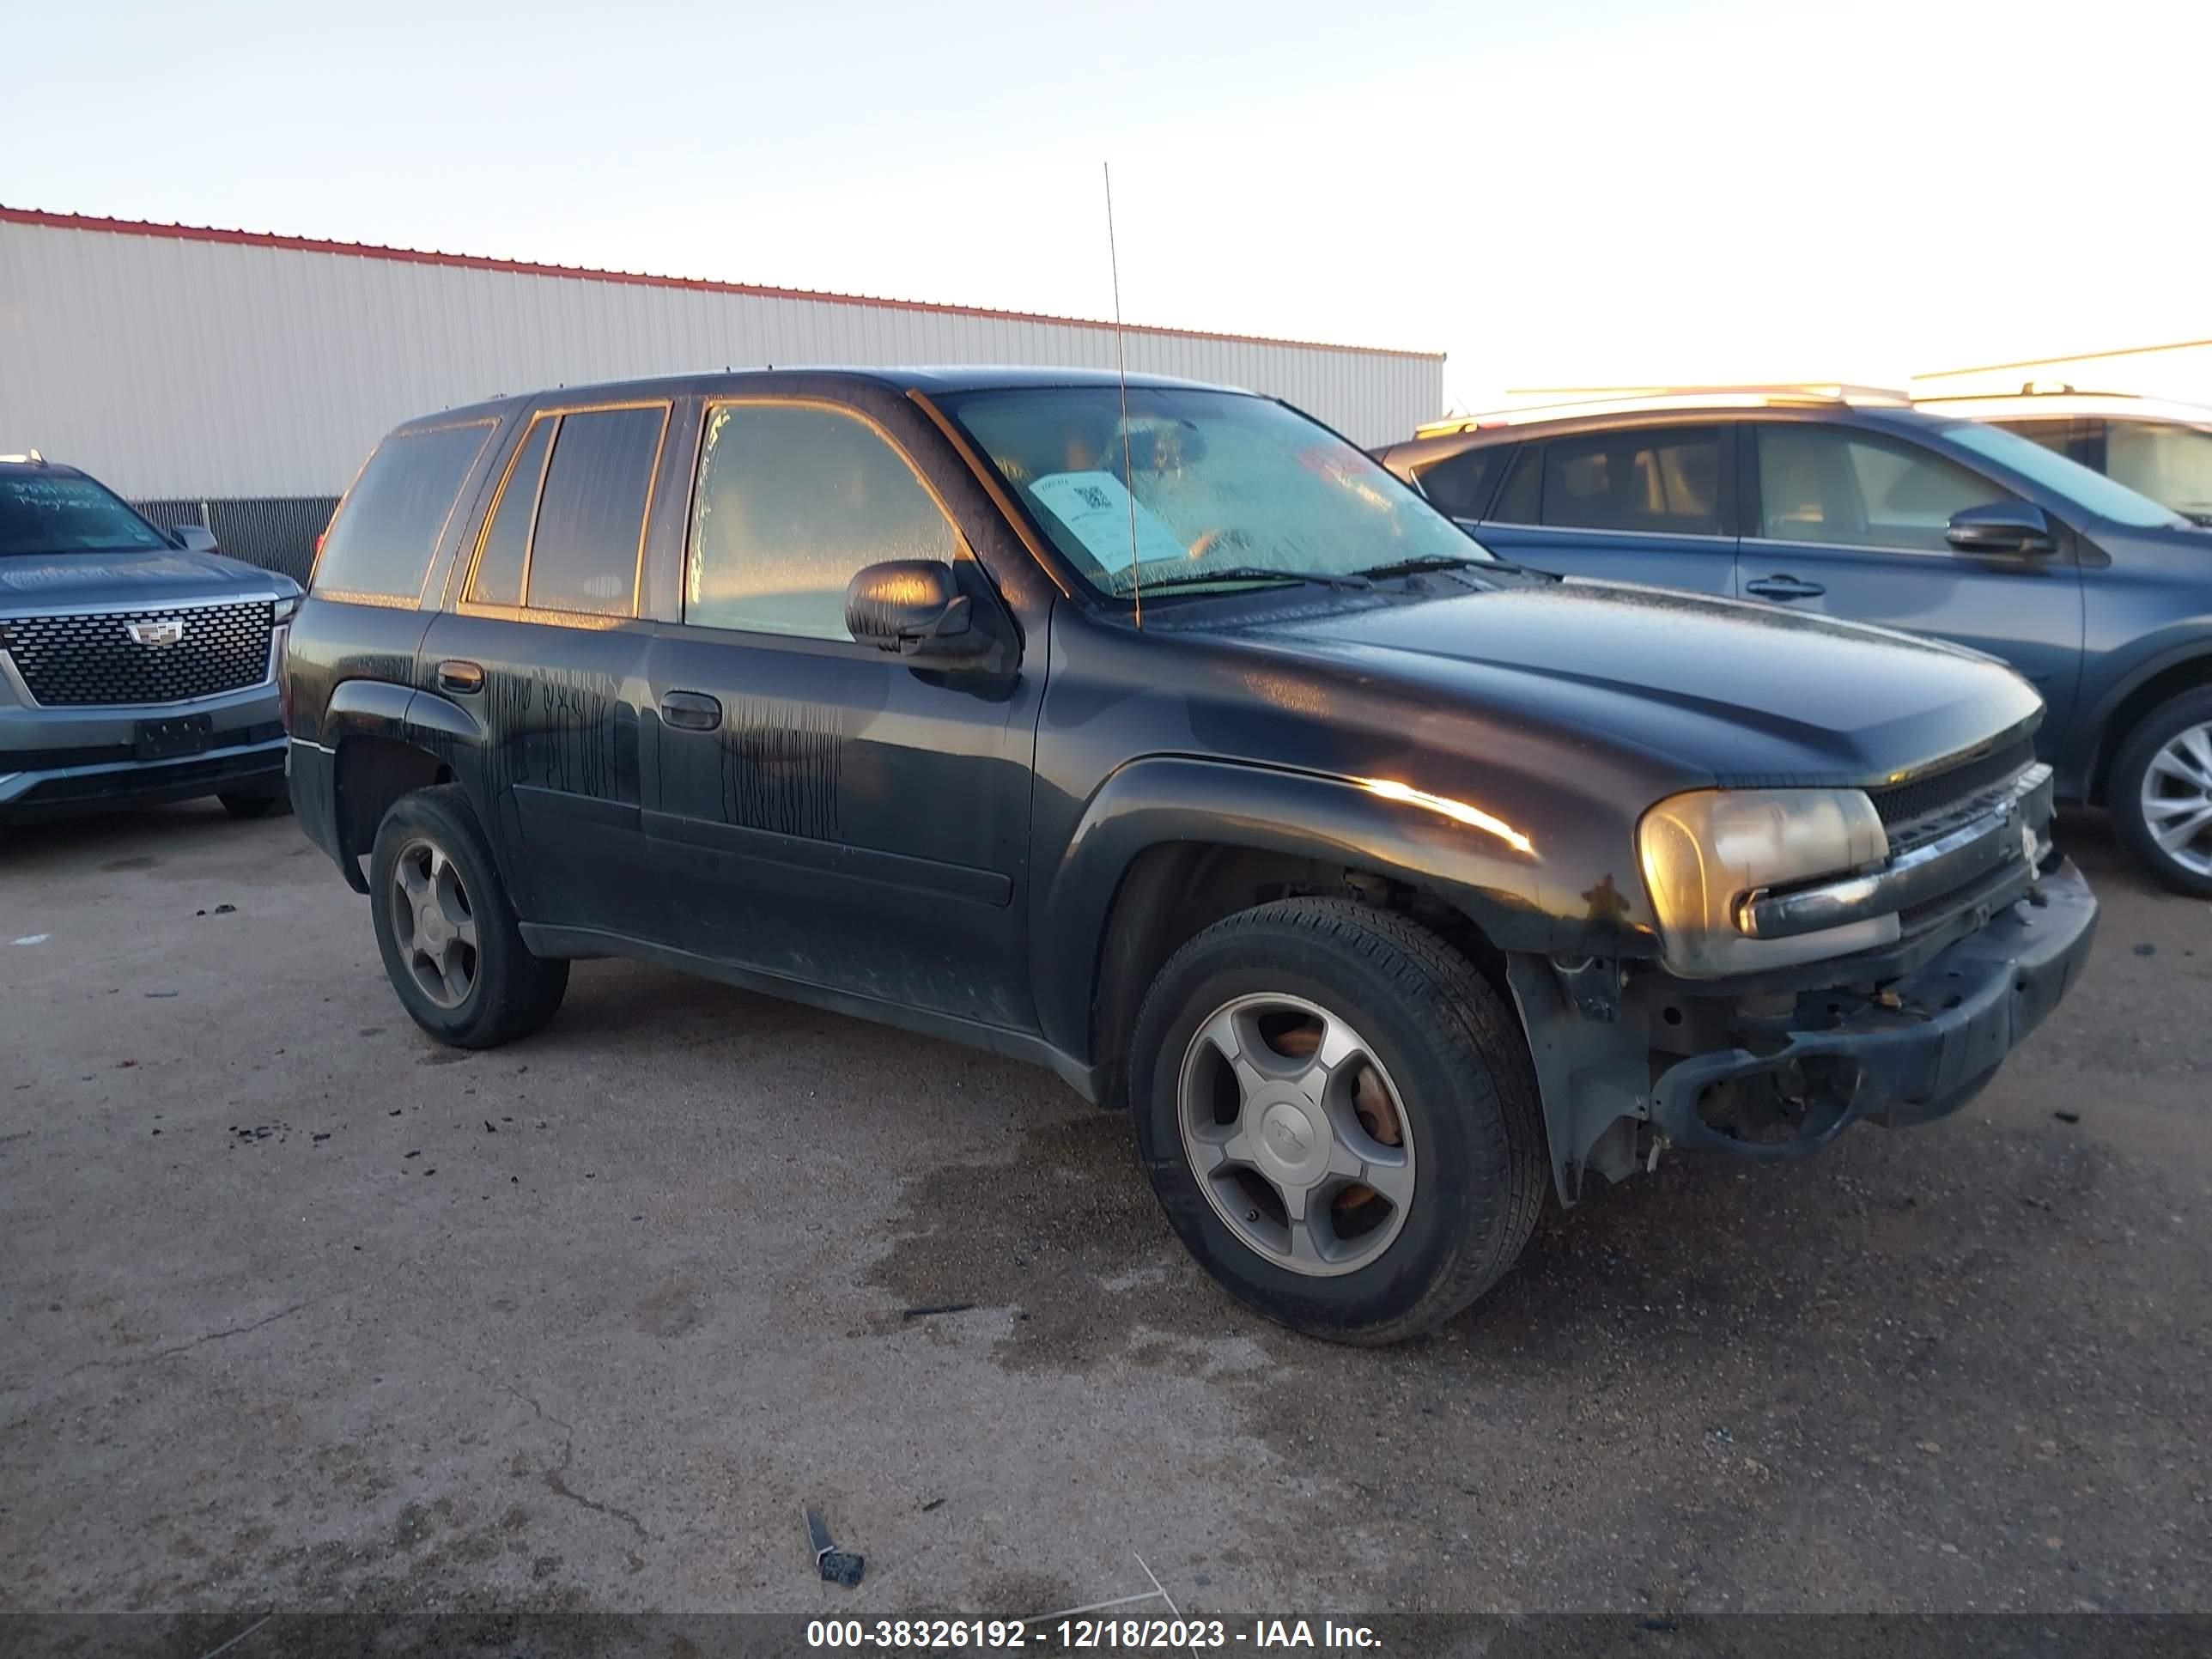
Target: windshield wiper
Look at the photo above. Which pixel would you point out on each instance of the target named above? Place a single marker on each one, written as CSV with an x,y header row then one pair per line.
x,y
1426,561
1250,572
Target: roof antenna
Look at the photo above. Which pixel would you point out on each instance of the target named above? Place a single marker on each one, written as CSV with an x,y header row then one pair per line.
x,y
1121,364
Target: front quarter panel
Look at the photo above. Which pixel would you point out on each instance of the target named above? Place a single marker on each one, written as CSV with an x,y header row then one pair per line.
x,y
1151,739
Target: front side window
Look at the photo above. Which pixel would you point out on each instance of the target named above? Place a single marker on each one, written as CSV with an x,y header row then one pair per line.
x,y
1460,484
1825,483
2169,462
1199,489
393,519
1662,480
584,554
57,513
794,500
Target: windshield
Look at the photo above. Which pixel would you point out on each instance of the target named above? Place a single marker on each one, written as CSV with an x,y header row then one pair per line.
x,y
56,513
2167,462
2091,490
1219,488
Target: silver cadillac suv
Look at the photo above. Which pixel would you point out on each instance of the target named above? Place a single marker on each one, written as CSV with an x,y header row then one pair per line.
x,y
135,664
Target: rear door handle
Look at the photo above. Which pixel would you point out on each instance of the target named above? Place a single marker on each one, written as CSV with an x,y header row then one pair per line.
x,y
455,674
691,711
1784,588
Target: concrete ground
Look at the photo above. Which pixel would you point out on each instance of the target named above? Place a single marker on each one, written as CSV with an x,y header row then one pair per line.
x,y
303,1312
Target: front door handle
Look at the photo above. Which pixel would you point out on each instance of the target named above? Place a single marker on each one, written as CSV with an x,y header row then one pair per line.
x,y
454,674
1784,587
691,711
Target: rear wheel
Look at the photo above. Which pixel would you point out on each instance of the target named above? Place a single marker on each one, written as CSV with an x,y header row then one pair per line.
x,y
1338,1115
2160,792
447,930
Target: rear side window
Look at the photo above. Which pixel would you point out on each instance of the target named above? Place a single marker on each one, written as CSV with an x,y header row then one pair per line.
x,y
794,500
591,512
1460,484
396,514
498,579
1662,479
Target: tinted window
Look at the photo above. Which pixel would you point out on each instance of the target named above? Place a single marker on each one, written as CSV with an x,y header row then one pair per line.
x,y
2168,463
498,579
1460,484
2092,491
54,513
1828,484
1653,478
395,515
591,515
792,501
1522,498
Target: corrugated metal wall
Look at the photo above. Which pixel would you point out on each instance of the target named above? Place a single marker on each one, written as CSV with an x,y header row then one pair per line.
x,y
176,367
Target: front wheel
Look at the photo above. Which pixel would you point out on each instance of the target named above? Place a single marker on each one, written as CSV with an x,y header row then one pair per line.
x,y
447,930
1339,1117
2160,792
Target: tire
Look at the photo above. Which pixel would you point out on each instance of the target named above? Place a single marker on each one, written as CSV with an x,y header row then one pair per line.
x,y
249,805
494,991
1451,1060
2176,736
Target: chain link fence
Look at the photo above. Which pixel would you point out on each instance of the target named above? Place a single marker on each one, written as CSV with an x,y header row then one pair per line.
x,y
276,532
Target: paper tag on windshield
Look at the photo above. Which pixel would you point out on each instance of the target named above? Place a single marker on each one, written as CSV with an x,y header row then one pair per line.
x,y
1096,507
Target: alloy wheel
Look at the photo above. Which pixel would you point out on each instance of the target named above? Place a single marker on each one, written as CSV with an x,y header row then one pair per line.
x,y
1295,1134
433,922
2176,799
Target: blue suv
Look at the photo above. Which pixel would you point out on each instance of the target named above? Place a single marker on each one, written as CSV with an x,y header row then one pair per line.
x,y
1860,507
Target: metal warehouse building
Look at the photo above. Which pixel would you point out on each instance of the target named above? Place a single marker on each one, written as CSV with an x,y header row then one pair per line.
x,y
238,379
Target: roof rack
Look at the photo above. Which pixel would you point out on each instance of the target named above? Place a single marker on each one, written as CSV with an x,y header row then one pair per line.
x,y
1562,401
28,457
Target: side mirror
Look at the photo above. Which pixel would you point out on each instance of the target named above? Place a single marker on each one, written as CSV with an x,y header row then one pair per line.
x,y
194,539
2000,528
911,606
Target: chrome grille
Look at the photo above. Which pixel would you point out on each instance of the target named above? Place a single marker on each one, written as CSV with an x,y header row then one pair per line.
x,y
90,659
1922,809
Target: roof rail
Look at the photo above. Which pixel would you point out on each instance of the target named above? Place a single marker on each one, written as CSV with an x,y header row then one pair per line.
x,y
1561,402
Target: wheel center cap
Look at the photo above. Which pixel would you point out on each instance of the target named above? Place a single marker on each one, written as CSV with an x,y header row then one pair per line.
x,y
1290,1141
431,924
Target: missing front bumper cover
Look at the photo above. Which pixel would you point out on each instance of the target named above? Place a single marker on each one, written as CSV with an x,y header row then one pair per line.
x,y
1919,1050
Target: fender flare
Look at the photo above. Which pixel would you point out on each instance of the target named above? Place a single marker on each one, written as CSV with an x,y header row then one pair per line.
x,y
1165,799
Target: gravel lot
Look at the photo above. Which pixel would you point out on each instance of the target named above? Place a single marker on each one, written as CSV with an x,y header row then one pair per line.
x,y
303,1312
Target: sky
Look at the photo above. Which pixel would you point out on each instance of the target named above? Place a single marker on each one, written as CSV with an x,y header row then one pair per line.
x,y
1553,194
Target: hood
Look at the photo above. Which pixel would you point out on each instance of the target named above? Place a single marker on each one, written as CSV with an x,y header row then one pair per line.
x,y
150,576
1740,693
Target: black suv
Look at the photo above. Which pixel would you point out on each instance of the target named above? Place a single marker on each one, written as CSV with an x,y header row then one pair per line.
x,y
137,664
1159,736
1852,503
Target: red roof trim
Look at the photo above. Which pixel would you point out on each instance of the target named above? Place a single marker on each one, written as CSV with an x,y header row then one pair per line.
x,y
585,274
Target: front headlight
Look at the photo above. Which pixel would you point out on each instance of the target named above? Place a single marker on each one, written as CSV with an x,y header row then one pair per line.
x,y
286,605
1702,852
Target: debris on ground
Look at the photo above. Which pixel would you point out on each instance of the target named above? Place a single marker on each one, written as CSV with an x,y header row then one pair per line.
x,y
836,1566
933,1504
2067,1117
2146,949
935,1308
488,1128
161,994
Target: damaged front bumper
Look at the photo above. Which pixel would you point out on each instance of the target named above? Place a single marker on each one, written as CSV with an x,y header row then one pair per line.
x,y
1915,1050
